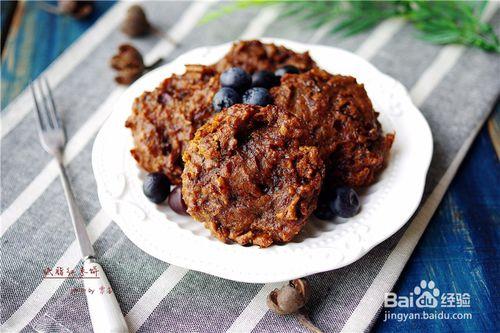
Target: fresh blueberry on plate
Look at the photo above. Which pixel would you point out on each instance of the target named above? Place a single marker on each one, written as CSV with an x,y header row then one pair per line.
x,y
345,203
176,202
224,98
156,187
236,78
287,69
264,79
323,211
257,96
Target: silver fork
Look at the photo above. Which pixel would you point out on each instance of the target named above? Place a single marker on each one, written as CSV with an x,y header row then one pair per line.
x,y
104,310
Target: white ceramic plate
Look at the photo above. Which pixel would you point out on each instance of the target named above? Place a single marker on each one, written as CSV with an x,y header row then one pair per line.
x,y
386,206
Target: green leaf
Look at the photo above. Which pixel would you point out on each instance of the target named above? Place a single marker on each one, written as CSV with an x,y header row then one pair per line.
x,y
439,22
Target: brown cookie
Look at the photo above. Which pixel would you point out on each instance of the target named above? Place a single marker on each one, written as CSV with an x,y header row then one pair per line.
x,y
341,121
255,56
249,177
164,119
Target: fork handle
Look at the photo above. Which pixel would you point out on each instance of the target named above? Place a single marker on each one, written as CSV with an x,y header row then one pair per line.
x,y
103,307
76,217
104,310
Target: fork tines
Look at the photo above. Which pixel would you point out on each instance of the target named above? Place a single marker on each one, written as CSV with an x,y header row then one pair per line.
x,y
45,107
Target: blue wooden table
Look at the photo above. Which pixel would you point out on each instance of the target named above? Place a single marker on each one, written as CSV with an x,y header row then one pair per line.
x,y
460,249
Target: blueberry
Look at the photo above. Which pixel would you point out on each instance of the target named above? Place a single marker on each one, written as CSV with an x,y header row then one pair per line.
x,y
257,96
345,202
176,202
236,78
264,79
224,98
156,187
323,211
287,69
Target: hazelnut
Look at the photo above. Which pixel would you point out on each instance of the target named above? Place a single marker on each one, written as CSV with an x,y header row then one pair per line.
x,y
136,23
290,298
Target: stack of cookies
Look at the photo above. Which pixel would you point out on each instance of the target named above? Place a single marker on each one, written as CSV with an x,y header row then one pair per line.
x,y
258,139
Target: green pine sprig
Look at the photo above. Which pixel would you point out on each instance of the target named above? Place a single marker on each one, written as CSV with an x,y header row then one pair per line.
x,y
438,22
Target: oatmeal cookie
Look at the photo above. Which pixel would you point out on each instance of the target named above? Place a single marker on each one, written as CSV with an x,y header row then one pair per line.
x,y
341,121
255,56
249,177
164,119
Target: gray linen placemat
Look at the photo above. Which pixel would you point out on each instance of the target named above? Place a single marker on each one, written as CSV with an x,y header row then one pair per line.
x,y
455,89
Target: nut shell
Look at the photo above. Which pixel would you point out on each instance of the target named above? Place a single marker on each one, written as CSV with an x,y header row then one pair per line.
x,y
136,23
290,298
128,63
